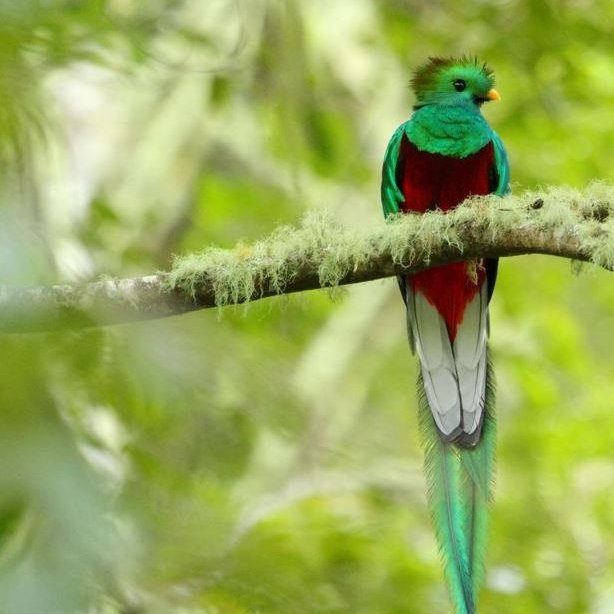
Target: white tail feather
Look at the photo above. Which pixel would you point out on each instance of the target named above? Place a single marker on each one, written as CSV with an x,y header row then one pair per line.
x,y
454,375
470,354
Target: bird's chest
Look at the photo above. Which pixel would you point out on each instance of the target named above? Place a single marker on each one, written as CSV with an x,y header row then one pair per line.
x,y
433,181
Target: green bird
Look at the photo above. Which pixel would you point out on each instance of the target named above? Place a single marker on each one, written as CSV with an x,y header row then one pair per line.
x,y
443,154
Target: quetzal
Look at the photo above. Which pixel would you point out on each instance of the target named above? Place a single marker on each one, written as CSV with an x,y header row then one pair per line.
x,y
443,154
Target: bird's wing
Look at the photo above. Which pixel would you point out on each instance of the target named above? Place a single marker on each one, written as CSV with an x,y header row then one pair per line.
x,y
392,196
391,193
502,167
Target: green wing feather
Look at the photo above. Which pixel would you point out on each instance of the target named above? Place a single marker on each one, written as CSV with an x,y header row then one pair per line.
x,y
502,165
391,193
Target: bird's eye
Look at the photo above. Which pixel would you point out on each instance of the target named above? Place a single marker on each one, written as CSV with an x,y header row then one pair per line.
x,y
460,85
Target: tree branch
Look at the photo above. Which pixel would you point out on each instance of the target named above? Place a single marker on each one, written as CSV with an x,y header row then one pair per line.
x,y
321,253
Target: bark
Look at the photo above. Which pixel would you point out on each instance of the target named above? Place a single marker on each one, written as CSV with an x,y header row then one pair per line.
x,y
568,224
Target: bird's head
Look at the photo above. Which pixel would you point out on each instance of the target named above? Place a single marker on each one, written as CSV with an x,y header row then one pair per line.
x,y
454,81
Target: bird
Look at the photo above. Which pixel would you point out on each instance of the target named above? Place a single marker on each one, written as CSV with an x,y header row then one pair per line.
x,y
444,153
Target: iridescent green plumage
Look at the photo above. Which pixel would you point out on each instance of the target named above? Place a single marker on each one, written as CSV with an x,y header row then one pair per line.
x,y
447,125
459,490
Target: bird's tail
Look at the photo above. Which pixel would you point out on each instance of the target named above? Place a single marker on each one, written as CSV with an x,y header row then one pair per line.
x,y
459,482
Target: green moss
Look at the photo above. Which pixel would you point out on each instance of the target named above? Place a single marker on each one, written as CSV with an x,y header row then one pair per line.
x,y
238,274
320,243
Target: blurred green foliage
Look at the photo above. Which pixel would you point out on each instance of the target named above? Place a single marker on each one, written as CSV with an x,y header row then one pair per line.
x,y
267,460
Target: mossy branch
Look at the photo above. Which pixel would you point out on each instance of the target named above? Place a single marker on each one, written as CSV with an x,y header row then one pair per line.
x,y
320,253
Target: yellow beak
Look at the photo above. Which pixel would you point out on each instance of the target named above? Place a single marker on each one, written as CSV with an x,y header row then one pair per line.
x,y
493,95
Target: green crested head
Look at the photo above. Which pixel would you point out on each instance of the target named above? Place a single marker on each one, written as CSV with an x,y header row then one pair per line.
x,y
454,81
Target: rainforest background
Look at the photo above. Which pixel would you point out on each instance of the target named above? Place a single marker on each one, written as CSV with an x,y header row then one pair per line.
x,y
267,459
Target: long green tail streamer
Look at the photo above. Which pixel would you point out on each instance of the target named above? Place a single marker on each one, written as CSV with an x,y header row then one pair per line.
x,y
459,490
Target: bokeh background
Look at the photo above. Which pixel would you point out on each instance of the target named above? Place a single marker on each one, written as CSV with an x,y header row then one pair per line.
x,y
267,459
